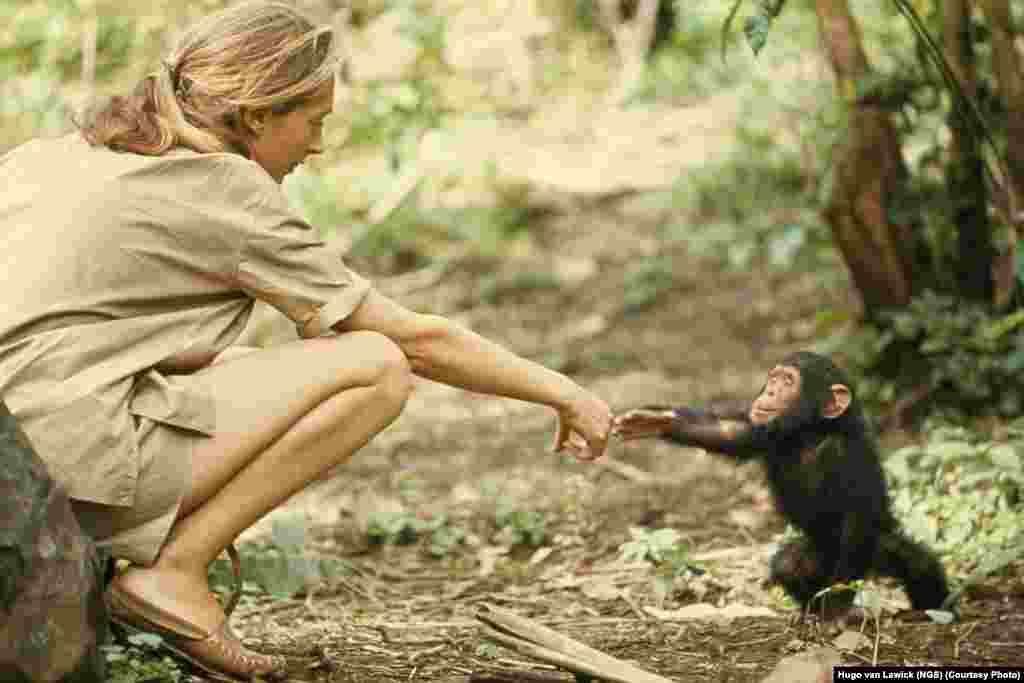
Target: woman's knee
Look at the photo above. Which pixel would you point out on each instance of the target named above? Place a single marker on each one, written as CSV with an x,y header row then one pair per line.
x,y
383,360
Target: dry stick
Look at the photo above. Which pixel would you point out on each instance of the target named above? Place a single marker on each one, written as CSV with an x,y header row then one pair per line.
x,y
956,645
624,470
530,638
878,637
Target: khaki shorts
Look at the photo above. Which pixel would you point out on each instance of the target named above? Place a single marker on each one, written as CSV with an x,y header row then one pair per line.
x,y
165,468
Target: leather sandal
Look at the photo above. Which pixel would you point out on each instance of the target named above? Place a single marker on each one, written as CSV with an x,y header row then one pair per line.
x,y
219,654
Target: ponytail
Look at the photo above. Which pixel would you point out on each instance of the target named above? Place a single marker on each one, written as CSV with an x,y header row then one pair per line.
x,y
251,55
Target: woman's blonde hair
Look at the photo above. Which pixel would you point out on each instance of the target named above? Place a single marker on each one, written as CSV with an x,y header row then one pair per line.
x,y
252,55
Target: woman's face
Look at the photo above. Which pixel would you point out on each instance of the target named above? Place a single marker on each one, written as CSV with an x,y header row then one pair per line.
x,y
283,141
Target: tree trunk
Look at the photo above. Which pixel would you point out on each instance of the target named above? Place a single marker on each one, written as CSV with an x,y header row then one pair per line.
x,y
1010,81
52,616
869,173
632,37
965,179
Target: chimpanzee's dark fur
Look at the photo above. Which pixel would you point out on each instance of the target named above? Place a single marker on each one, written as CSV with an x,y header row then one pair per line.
x,y
827,480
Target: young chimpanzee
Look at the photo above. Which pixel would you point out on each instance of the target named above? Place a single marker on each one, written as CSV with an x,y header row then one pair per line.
x,y
823,468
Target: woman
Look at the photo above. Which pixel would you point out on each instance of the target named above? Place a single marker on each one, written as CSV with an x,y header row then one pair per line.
x,y
135,249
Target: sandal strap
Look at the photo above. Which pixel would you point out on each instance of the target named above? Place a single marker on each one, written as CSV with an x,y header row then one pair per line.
x,y
236,570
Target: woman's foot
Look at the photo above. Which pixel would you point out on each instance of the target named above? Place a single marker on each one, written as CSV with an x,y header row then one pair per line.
x,y
181,595
181,608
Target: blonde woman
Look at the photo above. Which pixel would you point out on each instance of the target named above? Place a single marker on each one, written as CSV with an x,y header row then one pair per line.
x,y
134,251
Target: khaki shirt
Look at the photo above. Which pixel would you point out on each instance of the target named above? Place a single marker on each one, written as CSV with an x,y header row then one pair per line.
x,y
122,273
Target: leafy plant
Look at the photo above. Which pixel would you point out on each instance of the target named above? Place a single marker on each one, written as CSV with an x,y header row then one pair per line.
x,y
281,568
138,659
961,492
393,528
968,359
645,282
47,37
402,528
487,650
653,546
661,547
527,527
758,203
492,287
443,536
394,115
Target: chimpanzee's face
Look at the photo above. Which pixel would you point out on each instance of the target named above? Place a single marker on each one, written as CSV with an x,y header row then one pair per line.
x,y
779,396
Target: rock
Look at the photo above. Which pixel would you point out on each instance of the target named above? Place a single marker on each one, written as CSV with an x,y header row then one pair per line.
x,y
813,666
52,616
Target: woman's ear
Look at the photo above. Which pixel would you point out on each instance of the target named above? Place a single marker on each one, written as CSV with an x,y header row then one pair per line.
x,y
253,120
838,401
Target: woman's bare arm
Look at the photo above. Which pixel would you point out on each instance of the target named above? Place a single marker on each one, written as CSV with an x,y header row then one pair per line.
x,y
444,351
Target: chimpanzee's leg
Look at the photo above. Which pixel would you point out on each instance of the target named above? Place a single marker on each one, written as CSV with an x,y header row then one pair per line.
x,y
916,566
803,570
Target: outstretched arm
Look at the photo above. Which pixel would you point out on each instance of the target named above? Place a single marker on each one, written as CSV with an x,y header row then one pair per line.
x,y
443,351
728,433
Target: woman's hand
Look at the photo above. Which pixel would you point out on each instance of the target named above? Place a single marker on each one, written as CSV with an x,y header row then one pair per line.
x,y
584,425
642,423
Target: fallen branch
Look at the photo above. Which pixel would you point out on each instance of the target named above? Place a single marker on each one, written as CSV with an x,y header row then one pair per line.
x,y
530,638
625,470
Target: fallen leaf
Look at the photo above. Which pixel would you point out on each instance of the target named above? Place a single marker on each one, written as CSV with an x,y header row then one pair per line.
x,y
851,641
601,588
540,555
813,666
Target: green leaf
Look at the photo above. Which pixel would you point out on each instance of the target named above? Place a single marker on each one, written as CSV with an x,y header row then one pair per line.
x,y
951,451
289,532
940,616
150,640
1003,326
756,29
662,587
1015,361
1006,457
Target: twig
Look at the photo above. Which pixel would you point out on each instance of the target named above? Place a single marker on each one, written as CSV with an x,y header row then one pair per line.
x,y
624,470
758,641
967,632
532,639
858,656
519,663
878,637
429,651
633,606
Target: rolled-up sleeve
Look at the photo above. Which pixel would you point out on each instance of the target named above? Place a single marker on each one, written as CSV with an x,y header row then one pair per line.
x,y
283,261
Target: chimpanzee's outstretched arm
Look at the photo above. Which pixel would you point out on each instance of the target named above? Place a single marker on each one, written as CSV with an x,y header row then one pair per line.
x,y
729,434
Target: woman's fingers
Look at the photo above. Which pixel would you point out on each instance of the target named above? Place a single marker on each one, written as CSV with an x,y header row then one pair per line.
x,y
562,432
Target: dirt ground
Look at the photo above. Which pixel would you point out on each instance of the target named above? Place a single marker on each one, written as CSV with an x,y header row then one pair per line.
x,y
403,615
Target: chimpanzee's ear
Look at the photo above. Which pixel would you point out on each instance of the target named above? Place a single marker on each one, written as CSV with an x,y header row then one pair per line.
x,y
838,401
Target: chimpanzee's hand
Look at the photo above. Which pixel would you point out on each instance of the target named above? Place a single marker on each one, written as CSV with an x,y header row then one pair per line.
x,y
641,423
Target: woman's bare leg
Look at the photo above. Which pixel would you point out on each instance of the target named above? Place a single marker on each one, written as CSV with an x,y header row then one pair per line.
x,y
290,414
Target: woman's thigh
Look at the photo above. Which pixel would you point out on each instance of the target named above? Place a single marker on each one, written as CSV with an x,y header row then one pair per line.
x,y
260,395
